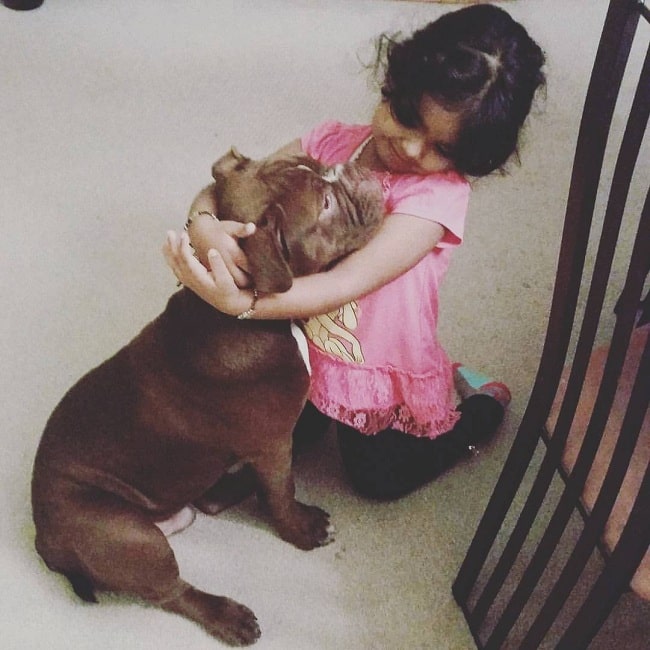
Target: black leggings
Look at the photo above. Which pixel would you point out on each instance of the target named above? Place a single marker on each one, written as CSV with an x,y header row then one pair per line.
x,y
391,463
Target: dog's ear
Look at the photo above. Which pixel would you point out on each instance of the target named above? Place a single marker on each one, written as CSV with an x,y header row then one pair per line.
x,y
267,265
232,161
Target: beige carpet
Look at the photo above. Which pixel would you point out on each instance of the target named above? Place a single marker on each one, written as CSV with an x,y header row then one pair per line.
x,y
111,114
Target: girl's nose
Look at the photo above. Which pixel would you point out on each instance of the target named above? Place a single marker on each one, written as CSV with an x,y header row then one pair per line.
x,y
412,148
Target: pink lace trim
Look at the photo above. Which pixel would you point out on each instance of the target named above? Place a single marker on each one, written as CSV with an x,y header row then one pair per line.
x,y
370,399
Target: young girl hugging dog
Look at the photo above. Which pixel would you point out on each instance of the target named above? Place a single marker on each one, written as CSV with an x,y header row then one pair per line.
x,y
454,98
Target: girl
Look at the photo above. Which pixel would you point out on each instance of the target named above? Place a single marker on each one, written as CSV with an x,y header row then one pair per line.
x,y
453,100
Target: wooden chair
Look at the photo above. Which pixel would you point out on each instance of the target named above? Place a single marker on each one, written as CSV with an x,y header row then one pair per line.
x,y
569,421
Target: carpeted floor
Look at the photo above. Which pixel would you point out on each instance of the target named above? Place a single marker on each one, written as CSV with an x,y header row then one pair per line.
x,y
111,115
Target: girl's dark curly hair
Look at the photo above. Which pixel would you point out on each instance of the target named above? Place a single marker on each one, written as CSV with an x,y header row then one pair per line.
x,y
477,61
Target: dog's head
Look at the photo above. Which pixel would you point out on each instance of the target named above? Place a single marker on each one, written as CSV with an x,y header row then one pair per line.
x,y
308,216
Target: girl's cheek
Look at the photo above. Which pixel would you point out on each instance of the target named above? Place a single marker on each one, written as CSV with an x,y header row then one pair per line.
x,y
384,123
436,163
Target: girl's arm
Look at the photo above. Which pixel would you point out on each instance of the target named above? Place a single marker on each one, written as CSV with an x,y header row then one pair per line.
x,y
401,242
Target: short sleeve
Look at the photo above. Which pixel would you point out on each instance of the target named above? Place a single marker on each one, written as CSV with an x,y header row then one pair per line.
x,y
443,198
333,142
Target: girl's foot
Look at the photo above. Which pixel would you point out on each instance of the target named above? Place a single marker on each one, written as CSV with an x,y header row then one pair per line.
x,y
468,382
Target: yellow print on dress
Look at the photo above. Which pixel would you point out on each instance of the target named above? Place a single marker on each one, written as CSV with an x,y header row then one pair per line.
x,y
332,333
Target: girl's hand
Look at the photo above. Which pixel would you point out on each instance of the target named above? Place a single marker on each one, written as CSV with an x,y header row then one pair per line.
x,y
216,286
206,232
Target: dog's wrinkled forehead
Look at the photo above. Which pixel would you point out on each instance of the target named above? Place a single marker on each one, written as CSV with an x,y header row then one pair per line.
x,y
245,187
285,173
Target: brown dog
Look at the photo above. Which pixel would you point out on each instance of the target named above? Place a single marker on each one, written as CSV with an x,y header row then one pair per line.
x,y
151,429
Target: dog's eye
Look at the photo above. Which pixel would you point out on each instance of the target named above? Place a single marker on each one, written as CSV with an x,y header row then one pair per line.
x,y
328,208
329,202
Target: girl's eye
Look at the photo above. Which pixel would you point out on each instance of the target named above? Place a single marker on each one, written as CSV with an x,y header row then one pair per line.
x,y
444,150
405,113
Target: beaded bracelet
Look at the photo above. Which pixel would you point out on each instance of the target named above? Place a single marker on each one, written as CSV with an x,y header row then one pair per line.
x,y
245,315
188,223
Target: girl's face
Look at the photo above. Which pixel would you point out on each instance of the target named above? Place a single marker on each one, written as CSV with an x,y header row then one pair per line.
x,y
419,150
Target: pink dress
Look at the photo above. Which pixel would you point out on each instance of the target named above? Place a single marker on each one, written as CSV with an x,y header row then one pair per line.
x,y
377,362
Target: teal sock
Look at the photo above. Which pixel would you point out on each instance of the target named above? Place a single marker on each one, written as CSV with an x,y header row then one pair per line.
x,y
469,382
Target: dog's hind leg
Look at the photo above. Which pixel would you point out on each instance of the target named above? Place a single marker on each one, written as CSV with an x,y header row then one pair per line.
x,y
119,549
222,617
232,488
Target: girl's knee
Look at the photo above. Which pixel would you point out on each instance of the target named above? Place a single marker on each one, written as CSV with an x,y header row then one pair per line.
x,y
378,466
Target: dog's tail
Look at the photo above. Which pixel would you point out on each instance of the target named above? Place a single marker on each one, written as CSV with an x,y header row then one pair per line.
x,y
82,586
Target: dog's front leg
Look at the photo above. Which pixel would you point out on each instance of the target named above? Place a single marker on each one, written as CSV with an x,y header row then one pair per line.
x,y
303,526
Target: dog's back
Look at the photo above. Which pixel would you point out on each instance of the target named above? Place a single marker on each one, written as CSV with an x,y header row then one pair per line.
x,y
176,401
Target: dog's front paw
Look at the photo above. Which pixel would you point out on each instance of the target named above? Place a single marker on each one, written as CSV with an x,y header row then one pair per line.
x,y
308,527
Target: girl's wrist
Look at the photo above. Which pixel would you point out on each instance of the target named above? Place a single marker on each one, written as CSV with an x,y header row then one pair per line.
x,y
241,304
249,312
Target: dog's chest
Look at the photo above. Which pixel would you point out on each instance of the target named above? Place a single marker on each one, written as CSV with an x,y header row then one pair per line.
x,y
200,343
253,354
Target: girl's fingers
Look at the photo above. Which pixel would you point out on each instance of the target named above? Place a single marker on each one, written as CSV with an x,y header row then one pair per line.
x,y
216,286
220,273
180,259
223,279
170,248
185,250
193,271
232,253
237,229
224,237
240,277
237,264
